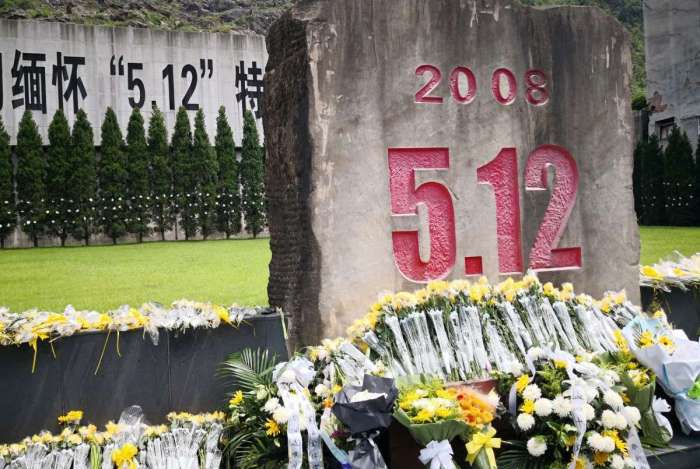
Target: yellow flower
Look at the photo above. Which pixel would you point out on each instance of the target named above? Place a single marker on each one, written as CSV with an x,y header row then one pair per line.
x,y
443,412
580,463
600,458
567,287
521,383
114,428
336,388
423,416
649,271
667,343
560,364
619,442
646,339
74,416
124,456
528,406
476,293
621,341
272,428
659,314
236,399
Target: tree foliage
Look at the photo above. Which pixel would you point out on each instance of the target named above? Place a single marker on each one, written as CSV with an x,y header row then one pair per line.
x,y
679,169
31,177
137,169
8,214
161,176
652,191
184,180
228,215
113,179
59,203
252,177
207,168
83,178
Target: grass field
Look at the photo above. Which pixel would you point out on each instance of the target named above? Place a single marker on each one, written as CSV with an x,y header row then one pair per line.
x,y
225,272
102,277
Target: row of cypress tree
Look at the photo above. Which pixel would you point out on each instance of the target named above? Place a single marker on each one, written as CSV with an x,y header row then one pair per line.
x,y
137,184
667,181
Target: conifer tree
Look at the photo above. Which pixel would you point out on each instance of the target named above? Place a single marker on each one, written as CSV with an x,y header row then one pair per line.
x,y
184,178
113,179
83,178
161,176
8,215
207,168
637,177
58,202
679,178
228,217
137,169
652,183
31,177
252,177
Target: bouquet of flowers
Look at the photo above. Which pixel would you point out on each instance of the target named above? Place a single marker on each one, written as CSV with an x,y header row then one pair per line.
x,y
640,385
675,271
673,357
569,412
435,415
366,411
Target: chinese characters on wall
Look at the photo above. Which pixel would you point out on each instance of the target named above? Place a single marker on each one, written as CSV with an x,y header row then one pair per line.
x,y
41,71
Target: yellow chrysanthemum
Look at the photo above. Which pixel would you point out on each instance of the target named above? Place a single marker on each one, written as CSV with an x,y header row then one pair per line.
x,y
667,343
649,271
600,458
521,383
236,399
272,428
124,456
423,416
621,341
646,339
528,406
74,416
659,314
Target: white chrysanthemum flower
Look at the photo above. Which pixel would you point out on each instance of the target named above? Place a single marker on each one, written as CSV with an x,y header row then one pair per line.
x,y
588,412
322,390
601,443
536,446
617,462
632,415
281,415
271,405
613,399
543,407
493,398
611,378
534,353
561,406
609,418
514,368
532,392
525,422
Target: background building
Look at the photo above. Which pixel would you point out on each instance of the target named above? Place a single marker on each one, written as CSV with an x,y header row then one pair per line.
x,y
672,38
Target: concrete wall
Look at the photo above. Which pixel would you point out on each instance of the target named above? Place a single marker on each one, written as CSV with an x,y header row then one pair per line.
x,y
341,88
672,41
209,58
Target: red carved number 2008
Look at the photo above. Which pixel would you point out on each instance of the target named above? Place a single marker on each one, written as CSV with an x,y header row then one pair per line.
x,y
501,174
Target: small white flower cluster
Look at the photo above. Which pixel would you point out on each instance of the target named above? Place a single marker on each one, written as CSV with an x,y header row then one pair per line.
x,y
279,413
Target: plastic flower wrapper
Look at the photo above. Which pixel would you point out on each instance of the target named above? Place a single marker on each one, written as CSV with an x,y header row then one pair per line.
x,y
210,454
674,358
366,410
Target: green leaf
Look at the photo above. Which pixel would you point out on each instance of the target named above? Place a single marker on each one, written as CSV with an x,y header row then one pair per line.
x,y
249,369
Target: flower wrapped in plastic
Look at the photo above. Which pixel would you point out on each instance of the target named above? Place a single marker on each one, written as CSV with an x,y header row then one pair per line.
x,y
366,411
675,360
434,415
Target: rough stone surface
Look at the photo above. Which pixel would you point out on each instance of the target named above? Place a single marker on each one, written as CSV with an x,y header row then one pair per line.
x,y
672,39
340,92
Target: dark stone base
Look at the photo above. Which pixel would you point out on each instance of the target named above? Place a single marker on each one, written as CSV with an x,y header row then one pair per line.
x,y
177,374
681,307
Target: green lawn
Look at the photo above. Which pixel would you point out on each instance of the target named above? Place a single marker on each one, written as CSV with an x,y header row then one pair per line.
x,y
103,277
660,241
225,272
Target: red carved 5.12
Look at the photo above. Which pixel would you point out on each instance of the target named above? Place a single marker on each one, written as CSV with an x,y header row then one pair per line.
x,y
501,173
463,86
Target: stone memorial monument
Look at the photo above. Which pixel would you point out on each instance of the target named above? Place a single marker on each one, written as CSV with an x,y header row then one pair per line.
x,y
414,140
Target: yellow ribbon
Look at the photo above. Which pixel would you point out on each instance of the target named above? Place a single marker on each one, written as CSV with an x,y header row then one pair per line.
x,y
125,456
486,441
